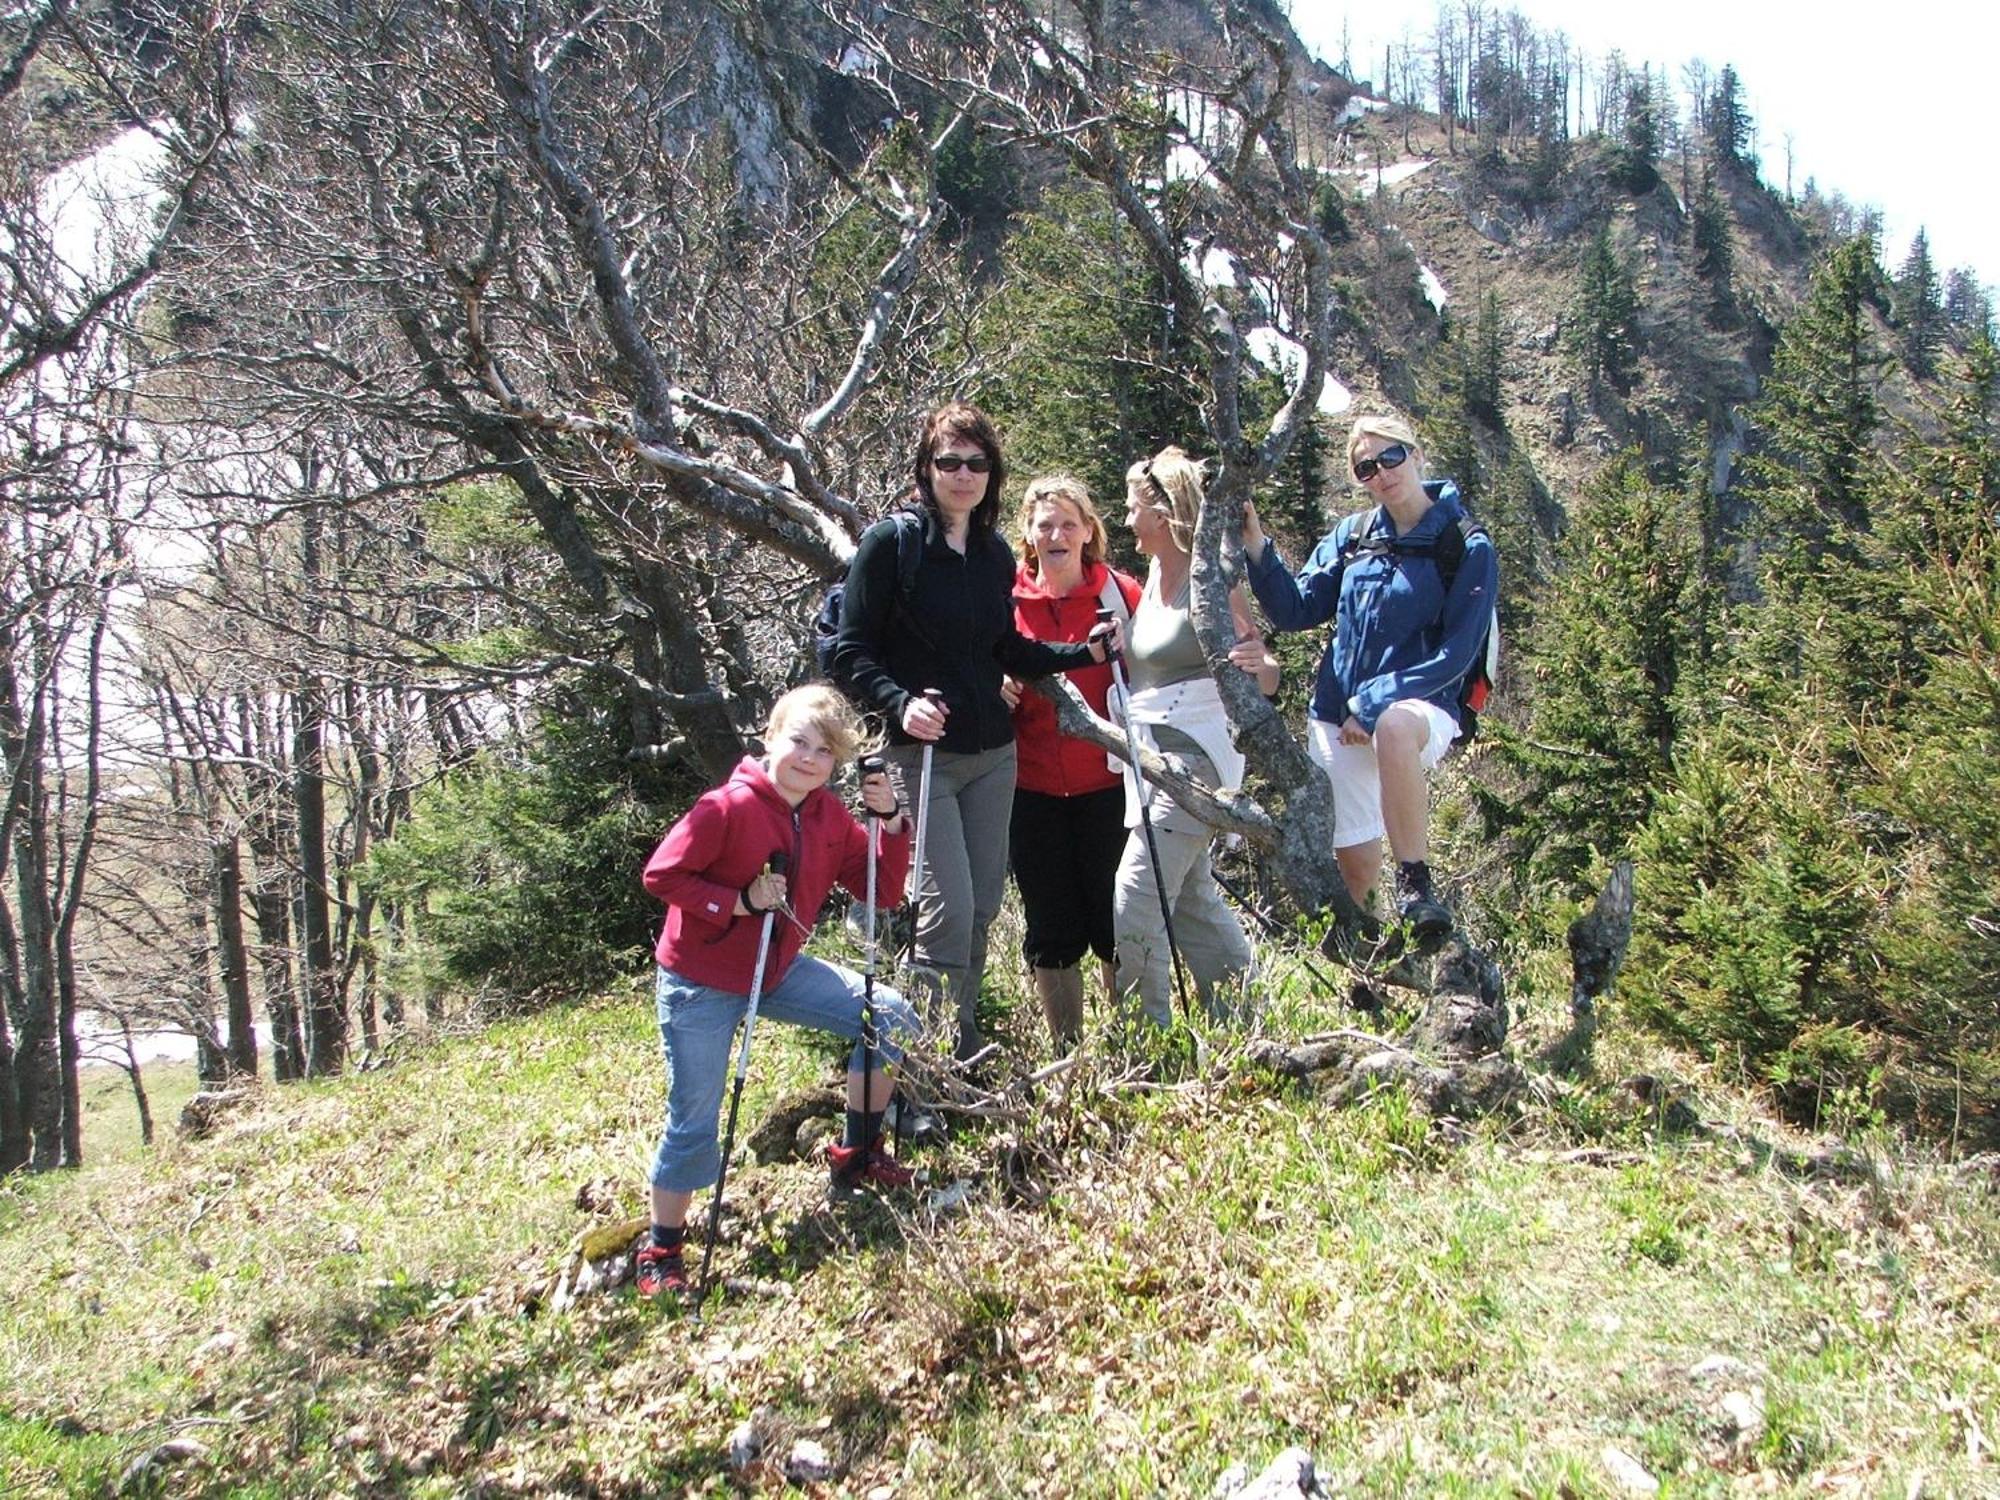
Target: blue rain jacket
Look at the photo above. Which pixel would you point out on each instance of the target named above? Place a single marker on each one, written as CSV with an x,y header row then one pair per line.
x,y
1396,635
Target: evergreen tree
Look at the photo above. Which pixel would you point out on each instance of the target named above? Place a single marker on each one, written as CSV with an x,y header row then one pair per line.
x,y
1728,121
1825,861
1331,212
1919,309
1714,250
1620,644
1603,326
1937,757
1296,502
1819,414
1480,380
1639,137
1968,308
1084,345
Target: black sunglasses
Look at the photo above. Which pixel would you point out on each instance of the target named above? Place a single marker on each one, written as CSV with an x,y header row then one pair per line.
x,y
951,463
1391,457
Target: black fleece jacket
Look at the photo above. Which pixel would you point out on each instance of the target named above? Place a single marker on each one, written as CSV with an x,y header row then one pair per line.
x,y
957,635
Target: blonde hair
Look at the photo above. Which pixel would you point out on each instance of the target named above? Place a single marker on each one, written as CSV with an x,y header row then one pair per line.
x,y
1062,489
823,710
1389,429
1170,483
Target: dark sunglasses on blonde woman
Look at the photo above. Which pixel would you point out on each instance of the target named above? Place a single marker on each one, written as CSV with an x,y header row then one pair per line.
x,y
951,463
1391,457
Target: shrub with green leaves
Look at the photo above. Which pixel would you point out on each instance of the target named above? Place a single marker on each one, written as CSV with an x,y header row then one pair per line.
x,y
521,875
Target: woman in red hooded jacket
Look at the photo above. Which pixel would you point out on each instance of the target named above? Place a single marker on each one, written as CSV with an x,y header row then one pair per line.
x,y
1068,826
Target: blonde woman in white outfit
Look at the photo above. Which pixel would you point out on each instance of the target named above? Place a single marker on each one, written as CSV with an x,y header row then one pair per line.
x,y
1177,707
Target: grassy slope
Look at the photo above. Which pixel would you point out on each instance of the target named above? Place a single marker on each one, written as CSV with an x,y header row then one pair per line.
x,y
1219,1273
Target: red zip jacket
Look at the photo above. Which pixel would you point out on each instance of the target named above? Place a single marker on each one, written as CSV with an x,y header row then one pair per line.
x,y
722,843
1058,765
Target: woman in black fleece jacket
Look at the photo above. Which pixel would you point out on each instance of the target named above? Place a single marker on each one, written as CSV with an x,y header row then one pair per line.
x,y
954,639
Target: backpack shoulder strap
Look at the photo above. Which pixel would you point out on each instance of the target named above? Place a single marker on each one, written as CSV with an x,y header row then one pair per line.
x,y
1451,545
1112,597
909,552
1361,538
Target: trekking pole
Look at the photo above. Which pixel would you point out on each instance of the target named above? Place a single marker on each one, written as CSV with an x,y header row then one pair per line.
x,y
871,765
932,979
933,982
774,866
1117,660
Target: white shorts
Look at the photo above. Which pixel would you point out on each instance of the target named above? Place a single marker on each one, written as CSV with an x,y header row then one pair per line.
x,y
1351,771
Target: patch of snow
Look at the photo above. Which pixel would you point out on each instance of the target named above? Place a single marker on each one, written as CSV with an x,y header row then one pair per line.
x,y
100,209
1434,292
1355,108
1186,164
1285,357
857,59
1368,180
1215,267
100,1041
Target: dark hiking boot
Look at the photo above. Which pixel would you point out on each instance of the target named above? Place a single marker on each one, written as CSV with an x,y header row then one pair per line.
x,y
855,1166
1428,920
661,1271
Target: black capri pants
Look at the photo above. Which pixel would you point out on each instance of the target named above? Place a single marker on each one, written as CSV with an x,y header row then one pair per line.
x,y
1065,852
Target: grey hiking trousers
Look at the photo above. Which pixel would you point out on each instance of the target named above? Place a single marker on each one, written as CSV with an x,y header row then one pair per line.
x,y
964,877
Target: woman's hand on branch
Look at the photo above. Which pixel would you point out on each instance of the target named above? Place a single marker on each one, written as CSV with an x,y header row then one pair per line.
x,y
1252,532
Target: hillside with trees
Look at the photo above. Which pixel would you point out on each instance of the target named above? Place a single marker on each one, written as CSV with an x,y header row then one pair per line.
x,y
430,429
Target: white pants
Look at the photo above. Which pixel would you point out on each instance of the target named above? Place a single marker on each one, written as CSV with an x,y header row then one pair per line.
x,y
1357,781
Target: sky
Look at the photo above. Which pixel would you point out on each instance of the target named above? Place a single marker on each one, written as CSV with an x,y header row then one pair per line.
x,y
1888,107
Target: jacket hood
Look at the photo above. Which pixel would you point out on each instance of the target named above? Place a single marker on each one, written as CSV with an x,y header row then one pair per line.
x,y
1446,507
1028,583
750,776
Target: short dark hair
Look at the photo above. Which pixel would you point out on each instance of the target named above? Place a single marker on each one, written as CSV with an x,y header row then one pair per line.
x,y
967,423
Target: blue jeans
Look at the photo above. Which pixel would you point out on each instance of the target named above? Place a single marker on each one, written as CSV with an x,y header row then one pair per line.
x,y
698,1024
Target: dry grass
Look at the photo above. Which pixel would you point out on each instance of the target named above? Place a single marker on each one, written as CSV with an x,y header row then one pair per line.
x,y
346,1293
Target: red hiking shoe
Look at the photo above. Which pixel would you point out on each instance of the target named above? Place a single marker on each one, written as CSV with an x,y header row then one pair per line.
x,y
661,1271
852,1166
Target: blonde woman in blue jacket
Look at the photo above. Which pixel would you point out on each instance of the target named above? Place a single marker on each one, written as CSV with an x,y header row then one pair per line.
x,y
1385,702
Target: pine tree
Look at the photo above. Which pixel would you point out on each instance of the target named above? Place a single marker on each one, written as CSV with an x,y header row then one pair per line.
x,y
1331,212
1968,309
1819,414
1728,121
1714,250
1639,138
1603,327
1480,381
1919,308
1620,645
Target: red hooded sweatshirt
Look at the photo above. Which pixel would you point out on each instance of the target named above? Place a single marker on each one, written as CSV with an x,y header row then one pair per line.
x,y
1053,764
723,842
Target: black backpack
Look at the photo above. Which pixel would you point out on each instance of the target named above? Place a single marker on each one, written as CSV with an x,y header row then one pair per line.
x,y
909,526
1447,551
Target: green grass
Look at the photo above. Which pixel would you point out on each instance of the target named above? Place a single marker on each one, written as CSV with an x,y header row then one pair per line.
x,y
346,1291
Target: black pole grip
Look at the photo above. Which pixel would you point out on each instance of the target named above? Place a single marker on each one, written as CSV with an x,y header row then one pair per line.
x,y
873,765
1105,617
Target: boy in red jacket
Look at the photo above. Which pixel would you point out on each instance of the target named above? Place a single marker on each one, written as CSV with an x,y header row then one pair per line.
x,y
713,871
